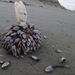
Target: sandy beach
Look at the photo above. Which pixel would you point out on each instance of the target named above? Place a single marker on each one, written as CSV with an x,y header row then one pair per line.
x,y
55,23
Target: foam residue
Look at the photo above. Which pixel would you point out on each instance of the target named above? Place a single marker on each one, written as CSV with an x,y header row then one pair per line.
x,y
68,4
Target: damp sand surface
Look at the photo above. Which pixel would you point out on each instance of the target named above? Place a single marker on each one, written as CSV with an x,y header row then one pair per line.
x,y
55,23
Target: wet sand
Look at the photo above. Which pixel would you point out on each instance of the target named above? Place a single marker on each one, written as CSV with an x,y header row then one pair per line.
x,y
59,27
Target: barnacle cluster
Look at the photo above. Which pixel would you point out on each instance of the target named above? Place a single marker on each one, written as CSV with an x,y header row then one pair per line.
x,y
21,40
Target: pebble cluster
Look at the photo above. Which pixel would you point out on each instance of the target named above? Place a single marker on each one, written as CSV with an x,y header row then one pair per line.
x,y
20,40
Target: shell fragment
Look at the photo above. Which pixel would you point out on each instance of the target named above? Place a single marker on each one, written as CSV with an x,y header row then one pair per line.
x,y
62,59
59,51
6,64
35,58
45,37
49,69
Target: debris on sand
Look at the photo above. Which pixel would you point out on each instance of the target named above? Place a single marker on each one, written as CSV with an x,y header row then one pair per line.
x,y
61,66
19,40
35,58
59,51
62,59
51,68
45,37
5,64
